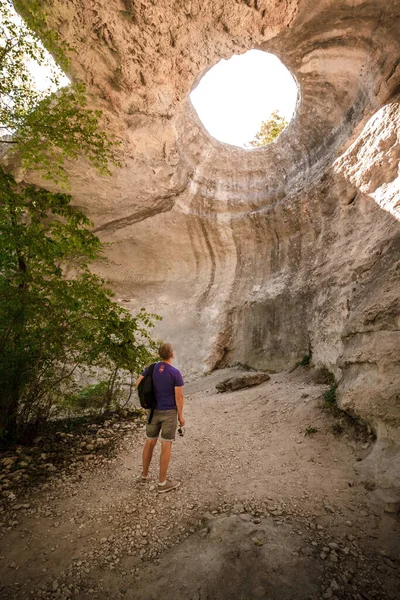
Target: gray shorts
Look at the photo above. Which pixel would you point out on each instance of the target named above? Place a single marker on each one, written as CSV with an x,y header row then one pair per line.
x,y
165,421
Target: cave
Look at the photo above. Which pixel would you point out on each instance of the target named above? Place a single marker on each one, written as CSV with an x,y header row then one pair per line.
x,y
256,258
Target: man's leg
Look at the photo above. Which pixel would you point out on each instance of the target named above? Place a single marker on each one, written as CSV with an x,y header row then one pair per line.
x,y
166,448
168,428
148,455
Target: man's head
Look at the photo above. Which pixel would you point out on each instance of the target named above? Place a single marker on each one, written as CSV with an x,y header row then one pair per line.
x,y
166,351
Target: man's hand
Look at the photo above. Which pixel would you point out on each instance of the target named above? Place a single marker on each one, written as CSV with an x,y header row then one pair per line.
x,y
179,404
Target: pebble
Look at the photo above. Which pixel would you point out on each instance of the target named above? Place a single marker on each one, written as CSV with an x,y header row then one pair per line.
x,y
333,557
333,546
334,585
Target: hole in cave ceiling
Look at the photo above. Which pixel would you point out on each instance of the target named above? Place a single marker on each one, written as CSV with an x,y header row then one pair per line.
x,y
235,96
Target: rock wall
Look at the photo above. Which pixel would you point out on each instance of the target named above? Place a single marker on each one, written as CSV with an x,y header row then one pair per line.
x,y
254,256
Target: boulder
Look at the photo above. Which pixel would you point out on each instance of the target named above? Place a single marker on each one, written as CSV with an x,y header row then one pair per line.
x,y
242,381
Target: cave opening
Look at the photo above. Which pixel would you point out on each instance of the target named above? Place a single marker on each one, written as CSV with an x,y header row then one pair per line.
x,y
246,101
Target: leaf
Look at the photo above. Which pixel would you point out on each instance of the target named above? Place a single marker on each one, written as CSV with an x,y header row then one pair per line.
x,y
269,130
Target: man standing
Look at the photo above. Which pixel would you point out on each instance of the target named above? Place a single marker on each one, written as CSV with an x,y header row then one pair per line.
x,y
167,386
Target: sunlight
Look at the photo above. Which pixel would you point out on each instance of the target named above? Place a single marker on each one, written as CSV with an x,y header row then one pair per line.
x,y
236,95
41,74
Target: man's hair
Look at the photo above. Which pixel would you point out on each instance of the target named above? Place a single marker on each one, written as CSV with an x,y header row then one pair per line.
x,y
166,351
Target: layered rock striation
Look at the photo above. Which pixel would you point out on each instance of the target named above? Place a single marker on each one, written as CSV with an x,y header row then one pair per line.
x,y
260,256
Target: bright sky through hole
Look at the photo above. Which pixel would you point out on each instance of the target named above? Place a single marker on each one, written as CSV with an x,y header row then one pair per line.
x,y
237,94
41,73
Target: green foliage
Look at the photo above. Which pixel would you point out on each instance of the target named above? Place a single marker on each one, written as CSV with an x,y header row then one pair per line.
x,y
57,318
34,14
58,322
310,430
305,361
45,128
90,397
330,395
269,130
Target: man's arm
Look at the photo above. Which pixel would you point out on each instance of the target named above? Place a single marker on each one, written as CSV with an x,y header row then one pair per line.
x,y
138,380
179,404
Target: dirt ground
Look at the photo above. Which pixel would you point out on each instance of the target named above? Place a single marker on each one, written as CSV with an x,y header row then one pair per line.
x,y
265,510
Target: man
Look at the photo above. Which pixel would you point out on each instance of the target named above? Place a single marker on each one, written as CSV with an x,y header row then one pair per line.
x,y
167,386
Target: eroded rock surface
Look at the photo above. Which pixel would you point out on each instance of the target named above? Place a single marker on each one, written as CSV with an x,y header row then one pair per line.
x,y
254,256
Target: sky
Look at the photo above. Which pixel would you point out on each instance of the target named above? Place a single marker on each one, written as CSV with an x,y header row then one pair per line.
x,y
237,94
41,73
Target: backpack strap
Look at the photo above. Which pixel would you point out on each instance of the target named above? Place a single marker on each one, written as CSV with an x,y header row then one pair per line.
x,y
150,374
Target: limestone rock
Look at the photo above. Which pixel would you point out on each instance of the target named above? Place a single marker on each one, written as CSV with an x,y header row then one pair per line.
x,y
243,381
271,251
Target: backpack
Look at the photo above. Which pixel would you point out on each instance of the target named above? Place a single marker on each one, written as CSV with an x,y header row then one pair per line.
x,y
147,396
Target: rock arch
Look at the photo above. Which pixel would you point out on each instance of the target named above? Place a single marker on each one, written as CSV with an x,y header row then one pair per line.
x,y
254,257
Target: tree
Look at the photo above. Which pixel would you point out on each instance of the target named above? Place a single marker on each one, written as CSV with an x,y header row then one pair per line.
x,y
269,130
47,127
57,319
53,326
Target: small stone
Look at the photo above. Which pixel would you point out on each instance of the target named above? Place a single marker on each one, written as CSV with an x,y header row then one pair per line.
x,y
329,509
334,585
333,546
333,557
50,467
323,556
9,461
392,507
245,517
203,532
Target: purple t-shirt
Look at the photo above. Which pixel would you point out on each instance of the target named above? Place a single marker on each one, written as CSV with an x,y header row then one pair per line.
x,y
165,379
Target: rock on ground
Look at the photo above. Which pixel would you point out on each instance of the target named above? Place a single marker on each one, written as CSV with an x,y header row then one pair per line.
x,y
243,381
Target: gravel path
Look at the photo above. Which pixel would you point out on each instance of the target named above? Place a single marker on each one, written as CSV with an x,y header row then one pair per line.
x,y
264,511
